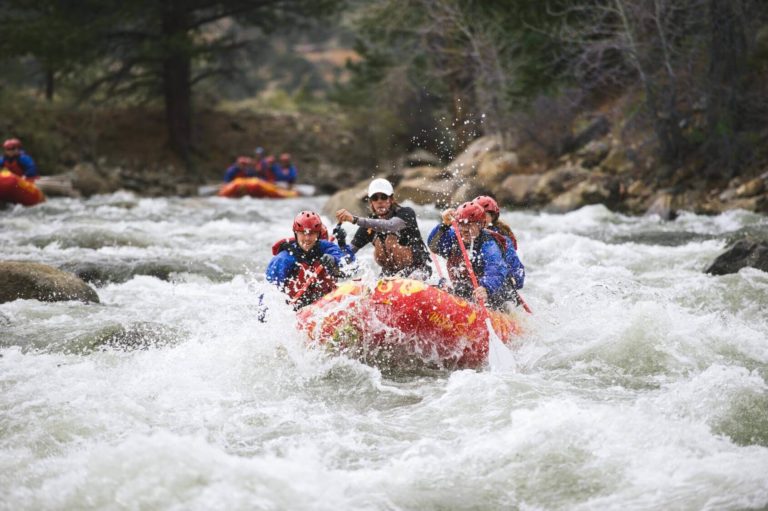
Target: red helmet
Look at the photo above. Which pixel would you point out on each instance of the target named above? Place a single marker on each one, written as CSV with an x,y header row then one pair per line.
x,y
470,212
308,221
488,204
269,159
12,143
244,160
285,157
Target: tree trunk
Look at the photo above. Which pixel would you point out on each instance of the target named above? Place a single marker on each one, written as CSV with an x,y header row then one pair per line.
x,y
728,49
177,87
49,85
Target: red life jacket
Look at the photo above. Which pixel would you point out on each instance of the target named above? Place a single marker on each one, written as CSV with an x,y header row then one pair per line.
x,y
318,286
14,166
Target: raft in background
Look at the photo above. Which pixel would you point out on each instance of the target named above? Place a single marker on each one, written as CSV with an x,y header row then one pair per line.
x,y
403,323
255,187
17,190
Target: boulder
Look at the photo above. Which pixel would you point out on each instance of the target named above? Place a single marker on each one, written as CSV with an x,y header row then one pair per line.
x,y
352,199
426,191
466,164
35,281
426,172
57,186
555,182
664,204
87,180
744,252
597,189
751,188
617,161
594,153
421,158
494,167
517,190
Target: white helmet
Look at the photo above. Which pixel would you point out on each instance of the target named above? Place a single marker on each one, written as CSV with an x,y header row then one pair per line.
x,y
380,186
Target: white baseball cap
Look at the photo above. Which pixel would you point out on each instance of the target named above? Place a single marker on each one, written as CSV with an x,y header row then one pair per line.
x,y
380,186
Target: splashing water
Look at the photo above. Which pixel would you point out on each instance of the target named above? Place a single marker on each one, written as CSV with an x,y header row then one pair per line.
x,y
640,381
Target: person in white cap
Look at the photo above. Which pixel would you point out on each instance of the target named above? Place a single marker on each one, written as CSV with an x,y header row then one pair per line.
x,y
398,246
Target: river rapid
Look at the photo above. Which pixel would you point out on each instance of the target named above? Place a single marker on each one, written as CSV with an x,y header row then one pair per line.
x,y
640,380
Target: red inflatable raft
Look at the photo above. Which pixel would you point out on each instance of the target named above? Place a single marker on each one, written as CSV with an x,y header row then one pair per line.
x,y
402,322
255,187
18,190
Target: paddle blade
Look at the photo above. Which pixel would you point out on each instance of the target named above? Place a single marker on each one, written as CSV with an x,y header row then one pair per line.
x,y
500,358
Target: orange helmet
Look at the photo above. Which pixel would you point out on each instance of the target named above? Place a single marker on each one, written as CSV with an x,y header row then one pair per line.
x,y
488,204
308,221
470,212
12,143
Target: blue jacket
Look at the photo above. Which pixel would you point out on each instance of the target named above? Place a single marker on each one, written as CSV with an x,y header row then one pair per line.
x,y
288,174
22,165
234,172
515,267
485,256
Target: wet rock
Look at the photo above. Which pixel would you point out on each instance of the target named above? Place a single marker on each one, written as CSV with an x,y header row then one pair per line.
x,y
597,189
57,186
744,252
136,336
467,163
594,153
88,180
664,205
518,190
426,191
35,281
425,172
751,188
421,158
553,183
495,167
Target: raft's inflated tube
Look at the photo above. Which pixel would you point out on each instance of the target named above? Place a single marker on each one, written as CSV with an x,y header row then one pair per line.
x,y
255,187
17,190
407,319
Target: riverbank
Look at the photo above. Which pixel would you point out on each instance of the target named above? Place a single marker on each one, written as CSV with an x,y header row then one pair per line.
x,y
605,155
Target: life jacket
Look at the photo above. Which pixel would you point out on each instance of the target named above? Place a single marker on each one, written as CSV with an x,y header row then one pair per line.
x,y
14,165
321,283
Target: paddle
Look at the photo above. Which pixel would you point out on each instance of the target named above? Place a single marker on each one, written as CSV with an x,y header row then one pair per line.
x,y
442,282
498,355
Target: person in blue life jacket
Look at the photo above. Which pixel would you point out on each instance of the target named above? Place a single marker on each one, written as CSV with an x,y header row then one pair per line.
x,y
307,267
17,161
484,252
284,171
392,229
496,225
243,167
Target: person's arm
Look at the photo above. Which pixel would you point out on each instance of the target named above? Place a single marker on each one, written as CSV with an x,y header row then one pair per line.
x,y
389,225
516,268
279,269
28,164
441,240
494,267
230,174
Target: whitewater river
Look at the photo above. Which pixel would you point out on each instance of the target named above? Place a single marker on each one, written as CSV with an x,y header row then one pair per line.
x,y
641,381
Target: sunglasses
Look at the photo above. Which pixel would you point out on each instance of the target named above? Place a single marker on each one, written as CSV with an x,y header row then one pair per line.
x,y
378,197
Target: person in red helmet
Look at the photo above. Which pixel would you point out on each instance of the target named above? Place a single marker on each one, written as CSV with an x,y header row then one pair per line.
x,y
243,167
285,171
509,241
17,161
484,252
308,267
